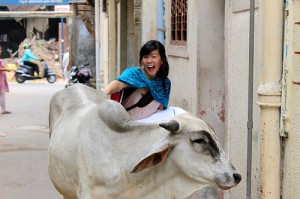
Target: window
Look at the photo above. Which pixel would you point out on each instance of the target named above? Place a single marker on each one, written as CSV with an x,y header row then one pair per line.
x,y
178,22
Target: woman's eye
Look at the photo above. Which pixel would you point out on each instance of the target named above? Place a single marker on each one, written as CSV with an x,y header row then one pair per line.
x,y
200,141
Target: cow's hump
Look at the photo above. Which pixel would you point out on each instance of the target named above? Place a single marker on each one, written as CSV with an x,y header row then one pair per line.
x,y
115,116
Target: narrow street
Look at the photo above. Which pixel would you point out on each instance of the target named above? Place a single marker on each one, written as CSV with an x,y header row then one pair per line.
x,y
24,142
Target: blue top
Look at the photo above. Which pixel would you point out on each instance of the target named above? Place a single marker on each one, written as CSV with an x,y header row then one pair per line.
x,y
135,78
28,55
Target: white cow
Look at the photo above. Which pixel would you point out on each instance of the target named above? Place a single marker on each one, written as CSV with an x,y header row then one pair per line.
x,y
97,152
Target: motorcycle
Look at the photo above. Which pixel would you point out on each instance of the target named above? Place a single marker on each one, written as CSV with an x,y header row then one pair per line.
x,y
25,72
81,74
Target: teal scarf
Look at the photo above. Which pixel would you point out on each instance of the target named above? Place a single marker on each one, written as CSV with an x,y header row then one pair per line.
x,y
135,78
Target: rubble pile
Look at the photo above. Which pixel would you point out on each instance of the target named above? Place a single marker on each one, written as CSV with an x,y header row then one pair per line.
x,y
48,50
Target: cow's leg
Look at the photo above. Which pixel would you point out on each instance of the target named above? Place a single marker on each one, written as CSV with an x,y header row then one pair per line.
x,y
84,192
69,198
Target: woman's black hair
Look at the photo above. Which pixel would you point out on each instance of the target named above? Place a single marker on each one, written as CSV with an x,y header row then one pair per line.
x,y
151,45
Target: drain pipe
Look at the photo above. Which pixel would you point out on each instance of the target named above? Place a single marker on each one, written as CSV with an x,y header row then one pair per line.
x,y
269,97
62,40
97,41
160,21
250,100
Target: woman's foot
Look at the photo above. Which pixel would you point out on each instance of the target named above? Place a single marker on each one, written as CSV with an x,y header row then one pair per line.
x,y
6,112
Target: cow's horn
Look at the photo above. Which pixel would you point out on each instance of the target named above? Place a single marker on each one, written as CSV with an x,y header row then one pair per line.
x,y
172,125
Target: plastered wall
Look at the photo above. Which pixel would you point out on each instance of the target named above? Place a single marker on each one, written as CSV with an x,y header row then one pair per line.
x,y
237,70
291,161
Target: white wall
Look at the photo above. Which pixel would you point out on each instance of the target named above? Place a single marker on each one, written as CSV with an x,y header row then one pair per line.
x,y
211,68
291,174
183,61
197,71
237,68
103,47
148,18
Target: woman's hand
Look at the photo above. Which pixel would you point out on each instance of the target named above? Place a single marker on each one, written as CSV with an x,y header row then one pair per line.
x,y
9,69
114,86
161,107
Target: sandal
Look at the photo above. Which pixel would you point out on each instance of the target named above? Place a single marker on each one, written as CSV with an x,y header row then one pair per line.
x,y
6,112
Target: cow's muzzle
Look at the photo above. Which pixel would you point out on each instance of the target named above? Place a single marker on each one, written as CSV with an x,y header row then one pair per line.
x,y
227,180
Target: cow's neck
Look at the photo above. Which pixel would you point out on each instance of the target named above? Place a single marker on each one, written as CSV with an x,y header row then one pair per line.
x,y
163,182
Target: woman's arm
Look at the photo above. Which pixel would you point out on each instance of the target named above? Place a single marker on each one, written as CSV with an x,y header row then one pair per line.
x,y
114,86
31,55
4,69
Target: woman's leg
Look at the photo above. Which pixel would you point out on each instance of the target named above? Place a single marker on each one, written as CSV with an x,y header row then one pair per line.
x,y
39,67
33,66
3,104
66,75
2,101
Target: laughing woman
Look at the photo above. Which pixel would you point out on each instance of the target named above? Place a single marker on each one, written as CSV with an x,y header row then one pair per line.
x,y
145,89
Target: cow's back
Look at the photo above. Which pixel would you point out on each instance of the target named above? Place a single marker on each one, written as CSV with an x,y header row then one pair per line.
x,y
68,108
70,100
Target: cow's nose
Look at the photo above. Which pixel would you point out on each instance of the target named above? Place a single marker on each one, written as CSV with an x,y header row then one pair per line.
x,y
237,178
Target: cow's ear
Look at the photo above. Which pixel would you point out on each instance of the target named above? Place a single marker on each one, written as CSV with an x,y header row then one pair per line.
x,y
157,154
172,126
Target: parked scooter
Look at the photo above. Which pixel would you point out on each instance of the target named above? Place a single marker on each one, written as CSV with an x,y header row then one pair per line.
x,y
81,74
25,72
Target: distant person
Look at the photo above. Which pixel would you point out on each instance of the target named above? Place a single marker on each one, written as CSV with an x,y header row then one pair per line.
x,y
3,85
65,64
31,60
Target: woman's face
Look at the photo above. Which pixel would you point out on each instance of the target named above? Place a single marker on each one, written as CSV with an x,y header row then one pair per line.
x,y
151,63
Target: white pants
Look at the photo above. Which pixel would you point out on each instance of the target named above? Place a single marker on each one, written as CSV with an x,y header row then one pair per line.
x,y
66,75
163,115
2,101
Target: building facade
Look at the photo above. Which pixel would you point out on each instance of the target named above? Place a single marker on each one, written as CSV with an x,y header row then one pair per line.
x,y
208,47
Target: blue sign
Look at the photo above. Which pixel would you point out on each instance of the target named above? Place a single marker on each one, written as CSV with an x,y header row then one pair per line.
x,y
34,2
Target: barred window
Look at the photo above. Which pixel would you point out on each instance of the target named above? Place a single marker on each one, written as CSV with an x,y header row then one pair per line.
x,y
178,22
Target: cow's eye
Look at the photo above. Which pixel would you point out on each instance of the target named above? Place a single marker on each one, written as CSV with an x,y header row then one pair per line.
x,y
200,141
